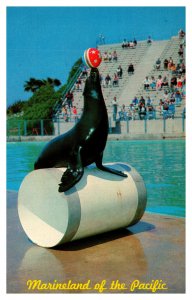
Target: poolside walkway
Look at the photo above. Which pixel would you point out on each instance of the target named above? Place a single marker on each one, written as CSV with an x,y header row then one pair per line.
x,y
153,249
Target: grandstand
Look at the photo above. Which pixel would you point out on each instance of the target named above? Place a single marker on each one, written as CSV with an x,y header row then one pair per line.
x,y
143,56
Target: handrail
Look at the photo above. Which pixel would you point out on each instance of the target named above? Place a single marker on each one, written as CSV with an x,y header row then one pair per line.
x,y
58,104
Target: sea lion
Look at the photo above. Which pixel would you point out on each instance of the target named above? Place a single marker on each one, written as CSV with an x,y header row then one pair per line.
x,y
84,143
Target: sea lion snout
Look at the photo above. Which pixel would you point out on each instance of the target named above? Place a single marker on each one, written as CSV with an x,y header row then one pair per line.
x,y
94,75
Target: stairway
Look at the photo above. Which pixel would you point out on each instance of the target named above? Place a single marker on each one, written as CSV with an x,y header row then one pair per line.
x,y
143,58
141,71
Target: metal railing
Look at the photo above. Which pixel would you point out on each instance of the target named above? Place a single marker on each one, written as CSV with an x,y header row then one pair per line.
x,y
30,127
53,127
69,86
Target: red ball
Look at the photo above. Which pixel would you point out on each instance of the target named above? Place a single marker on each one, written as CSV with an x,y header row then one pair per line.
x,y
92,57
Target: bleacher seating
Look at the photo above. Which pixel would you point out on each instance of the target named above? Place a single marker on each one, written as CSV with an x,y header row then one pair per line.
x,y
143,57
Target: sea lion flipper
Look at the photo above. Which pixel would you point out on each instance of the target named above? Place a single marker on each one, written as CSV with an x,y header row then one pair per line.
x,y
107,169
70,178
73,173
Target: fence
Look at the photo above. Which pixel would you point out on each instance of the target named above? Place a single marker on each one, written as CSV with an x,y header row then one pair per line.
x,y
58,126
150,126
30,127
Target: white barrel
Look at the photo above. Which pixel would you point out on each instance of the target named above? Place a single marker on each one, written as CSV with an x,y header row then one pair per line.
x,y
98,203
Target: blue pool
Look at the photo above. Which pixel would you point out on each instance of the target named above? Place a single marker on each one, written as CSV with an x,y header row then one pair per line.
x,y
160,163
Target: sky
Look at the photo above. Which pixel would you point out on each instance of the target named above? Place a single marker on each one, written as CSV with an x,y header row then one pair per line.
x,y
46,41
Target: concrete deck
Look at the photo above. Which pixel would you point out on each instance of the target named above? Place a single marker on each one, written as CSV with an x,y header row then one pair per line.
x,y
153,249
111,137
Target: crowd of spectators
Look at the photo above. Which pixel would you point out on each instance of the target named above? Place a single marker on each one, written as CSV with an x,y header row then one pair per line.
x,y
145,109
171,85
68,109
129,44
159,83
139,108
110,57
109,81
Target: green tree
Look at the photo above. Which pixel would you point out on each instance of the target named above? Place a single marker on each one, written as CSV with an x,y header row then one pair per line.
x,y
74,69
32,85
41,103
16,107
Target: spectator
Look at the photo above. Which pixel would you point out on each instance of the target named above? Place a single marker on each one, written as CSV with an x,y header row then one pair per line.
x,y
84,71
135,101
180,69
165,63
172,97
105,56
173,82
171,110
74,112
150,107
115,80
115,106
114,55
135,42
78,84
180,52
179,81
131,45
165,81
166,96
173,69
123,113
151,112
65,113
69,99
149,40
178,97
158,64
124,44
159,83
165,106
153,83
160,107
130,69
107,80
131,111
141,101
170,63
142,111
146,83
109,57
119,72
149,101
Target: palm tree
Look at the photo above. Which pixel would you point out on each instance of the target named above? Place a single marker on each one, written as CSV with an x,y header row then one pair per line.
x,y
53,82
34,84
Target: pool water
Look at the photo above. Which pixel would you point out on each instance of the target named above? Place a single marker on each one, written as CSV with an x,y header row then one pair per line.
x,y
160,163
